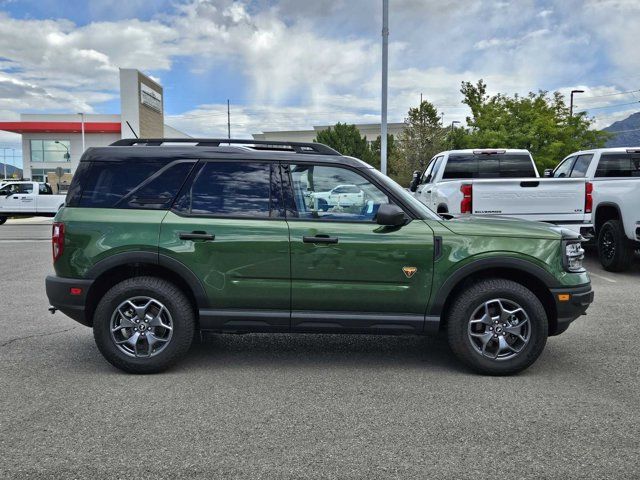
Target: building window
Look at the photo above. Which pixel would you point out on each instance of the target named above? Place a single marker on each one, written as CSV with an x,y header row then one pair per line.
x,y
50,151
40,174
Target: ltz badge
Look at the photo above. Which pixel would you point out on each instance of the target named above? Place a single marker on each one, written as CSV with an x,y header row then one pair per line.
x,y
409,271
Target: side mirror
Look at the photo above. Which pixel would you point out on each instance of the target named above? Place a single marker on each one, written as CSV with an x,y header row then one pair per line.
x,y
548,172
390,215
413,186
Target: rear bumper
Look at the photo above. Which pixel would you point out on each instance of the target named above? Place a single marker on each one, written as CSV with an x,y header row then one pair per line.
x,y
60,297
568,310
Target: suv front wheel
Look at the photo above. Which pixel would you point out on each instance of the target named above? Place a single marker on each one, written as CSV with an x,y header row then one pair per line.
x,y
497,327
143,325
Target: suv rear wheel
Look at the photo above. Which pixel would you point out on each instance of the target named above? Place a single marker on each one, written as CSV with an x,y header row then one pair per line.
x,y
497,327
3,220
143,325
614,249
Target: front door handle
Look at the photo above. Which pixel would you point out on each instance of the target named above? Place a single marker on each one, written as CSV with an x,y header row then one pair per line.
x,y
196,236
320,239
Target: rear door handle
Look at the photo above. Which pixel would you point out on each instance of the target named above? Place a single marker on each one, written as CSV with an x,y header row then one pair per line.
x,y
196,236
320,239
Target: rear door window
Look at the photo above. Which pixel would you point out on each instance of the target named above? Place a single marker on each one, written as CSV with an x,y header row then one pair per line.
x,y
619,165
231,189
159,191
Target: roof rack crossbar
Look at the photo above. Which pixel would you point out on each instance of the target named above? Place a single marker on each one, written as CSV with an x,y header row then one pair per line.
x,y
297,147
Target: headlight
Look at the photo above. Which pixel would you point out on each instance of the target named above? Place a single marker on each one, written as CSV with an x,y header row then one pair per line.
x,y
573,256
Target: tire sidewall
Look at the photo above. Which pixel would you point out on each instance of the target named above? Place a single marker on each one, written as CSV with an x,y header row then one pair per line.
x,y
618,261
469,302
170,297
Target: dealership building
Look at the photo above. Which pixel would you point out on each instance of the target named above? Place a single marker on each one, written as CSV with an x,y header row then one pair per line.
x,y
369,130
55,142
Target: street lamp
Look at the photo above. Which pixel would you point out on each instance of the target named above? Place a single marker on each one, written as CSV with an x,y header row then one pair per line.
x,y
67,156
571,102
82,127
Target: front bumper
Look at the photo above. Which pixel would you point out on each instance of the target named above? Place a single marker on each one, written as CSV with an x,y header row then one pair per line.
x,y
59,292
571,307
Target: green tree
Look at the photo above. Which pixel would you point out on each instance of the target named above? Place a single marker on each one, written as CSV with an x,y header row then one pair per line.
x,y
538,122
397,167
347,140
423,136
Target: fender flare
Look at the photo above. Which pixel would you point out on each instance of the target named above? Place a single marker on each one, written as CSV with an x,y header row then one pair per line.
x,y
175,266
438,301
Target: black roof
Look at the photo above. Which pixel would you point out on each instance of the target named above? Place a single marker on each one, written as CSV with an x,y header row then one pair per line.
x,y
168,150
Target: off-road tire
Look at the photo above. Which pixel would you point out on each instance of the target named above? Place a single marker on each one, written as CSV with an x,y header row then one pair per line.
x,y
621,258
472,298
176,303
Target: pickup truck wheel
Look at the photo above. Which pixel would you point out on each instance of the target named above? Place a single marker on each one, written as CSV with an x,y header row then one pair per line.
x,y
143,325
614,249
497,327
3,220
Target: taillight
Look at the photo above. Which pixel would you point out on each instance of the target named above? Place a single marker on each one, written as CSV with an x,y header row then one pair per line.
x,y
588,197
467,198
57,240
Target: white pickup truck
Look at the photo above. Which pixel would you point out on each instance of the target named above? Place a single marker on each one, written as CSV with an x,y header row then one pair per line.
x,y
502,182
25,199
340,196
613,176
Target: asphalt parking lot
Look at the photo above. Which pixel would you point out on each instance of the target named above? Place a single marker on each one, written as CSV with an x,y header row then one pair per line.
x,y
294,406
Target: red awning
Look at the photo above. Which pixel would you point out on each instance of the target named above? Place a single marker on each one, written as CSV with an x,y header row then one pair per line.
x,y
60,127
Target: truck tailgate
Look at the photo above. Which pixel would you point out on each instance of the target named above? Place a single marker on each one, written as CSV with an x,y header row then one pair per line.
x,y
548,199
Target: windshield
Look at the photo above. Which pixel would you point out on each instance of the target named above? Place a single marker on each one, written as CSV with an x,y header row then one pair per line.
x,y
405,196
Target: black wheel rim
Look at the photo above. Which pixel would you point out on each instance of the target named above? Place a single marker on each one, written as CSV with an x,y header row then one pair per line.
x,y
607,244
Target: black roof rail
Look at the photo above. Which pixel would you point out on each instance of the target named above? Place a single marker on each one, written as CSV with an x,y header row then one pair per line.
x,y
297,147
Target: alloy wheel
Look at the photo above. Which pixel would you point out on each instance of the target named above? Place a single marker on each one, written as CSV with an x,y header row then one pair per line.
x,y
141,327
499,329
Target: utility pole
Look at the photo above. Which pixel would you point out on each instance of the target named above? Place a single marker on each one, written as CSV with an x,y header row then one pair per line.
x,y
571,102
228,121
4,162
385,68
442,118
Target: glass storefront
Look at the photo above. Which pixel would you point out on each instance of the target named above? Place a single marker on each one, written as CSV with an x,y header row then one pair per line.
x,y
50,151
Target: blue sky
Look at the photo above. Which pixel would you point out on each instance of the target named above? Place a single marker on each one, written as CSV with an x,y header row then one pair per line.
x,y
291,64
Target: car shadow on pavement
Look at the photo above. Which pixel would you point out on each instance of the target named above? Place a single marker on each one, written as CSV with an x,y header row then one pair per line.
x,y
327,351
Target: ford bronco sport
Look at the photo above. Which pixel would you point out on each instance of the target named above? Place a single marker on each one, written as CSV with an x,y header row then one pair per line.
x,y
162,239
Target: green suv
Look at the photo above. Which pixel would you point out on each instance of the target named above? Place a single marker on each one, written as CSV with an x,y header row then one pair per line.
x,y
160,240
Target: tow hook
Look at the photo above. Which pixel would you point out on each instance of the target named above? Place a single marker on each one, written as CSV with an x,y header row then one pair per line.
x,y
52,309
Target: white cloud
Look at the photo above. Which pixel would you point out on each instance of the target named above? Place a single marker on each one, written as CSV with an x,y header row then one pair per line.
x,y
305,62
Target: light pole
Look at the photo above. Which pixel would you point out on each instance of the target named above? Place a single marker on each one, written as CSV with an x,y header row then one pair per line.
x,y
67,155
385,67
4,161
82,127
571,101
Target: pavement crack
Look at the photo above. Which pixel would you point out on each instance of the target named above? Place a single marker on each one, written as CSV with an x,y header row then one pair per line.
x,y
36,335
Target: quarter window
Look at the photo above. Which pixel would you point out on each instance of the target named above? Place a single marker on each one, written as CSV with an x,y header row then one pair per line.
x,y
230,189
333,193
